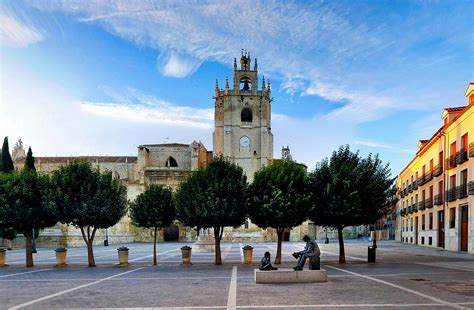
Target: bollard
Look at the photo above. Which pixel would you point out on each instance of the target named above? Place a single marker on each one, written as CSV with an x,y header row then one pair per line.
x,y
248,254
186,255
61,257
123,255
3,254
371,254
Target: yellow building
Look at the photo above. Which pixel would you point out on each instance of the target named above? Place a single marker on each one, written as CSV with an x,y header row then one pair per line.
x,y
436,188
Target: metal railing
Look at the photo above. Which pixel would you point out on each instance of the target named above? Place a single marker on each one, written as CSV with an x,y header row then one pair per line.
x,y
470,188
451,162
461,157
471,149
450,195
438,199
428,203
461,191
421,205
414,185
438,170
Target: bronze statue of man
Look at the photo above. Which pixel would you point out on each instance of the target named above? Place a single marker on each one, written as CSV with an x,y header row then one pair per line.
x,y
265,263
311,249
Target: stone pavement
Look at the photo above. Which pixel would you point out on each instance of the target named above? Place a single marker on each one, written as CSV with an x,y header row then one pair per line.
x,y
405,276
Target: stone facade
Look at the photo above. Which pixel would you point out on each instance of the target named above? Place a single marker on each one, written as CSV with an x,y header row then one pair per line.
x,y
242,119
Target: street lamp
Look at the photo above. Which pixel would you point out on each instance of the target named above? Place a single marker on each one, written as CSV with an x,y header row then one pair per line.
x,y
106,241
327,240
34,243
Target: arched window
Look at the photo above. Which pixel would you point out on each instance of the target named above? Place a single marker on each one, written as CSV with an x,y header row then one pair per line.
x,y
171,162
246,115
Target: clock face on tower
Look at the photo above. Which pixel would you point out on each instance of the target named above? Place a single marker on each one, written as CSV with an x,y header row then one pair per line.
x,y
244,141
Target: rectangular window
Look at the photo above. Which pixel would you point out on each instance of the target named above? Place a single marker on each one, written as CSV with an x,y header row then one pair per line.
x,y
464,177
440,190
440,158
423,170
423,222
452,217
431,194
422,240
464,142
431,220
423,196
411,224
430,240
453,149
416,198
431,166
453,181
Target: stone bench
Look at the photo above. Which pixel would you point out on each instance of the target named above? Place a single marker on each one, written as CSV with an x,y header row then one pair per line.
x,y
290,276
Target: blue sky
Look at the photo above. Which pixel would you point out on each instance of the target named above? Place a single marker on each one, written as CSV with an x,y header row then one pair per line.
x,y
101,77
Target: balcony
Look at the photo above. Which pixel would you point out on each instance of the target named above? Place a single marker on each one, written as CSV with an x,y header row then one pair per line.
x,y
450,195
414,185
420,181
402,193
438,170
451,162
410,189
428,203
471,149
414,207
438,200
461,191
421,206
428,177
470,188
461,157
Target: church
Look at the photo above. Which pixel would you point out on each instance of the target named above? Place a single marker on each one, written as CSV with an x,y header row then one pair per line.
x,y
242,133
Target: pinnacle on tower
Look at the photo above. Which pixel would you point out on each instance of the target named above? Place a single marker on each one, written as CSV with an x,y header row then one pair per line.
x,y
235,63
217,88
255,66
226,92
269,87
263,82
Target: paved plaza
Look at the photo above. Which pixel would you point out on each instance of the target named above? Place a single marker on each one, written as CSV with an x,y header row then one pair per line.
x,y
405,276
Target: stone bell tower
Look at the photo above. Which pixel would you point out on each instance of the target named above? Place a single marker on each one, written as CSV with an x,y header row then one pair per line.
x,y
242,119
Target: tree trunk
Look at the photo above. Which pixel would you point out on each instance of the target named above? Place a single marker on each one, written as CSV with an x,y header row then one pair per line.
x,y
342,253
29,251
89,239
280,232
154,247
217,244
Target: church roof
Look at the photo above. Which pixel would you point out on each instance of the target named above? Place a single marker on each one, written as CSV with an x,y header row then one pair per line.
x,y
165,145
91,159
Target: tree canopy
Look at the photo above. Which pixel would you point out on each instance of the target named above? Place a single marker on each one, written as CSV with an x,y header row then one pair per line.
x,y
7,162
27,205
30,160
88,199
155,209
278,198
348,190
214,197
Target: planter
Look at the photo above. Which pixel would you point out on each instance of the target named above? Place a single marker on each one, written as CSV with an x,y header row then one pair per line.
x,y
3,254
186,255
248,252
123,256
61,257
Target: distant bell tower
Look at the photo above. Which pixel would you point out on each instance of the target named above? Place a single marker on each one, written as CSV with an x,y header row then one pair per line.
x,y
242,119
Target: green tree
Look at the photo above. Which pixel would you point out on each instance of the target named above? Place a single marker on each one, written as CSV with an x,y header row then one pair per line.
x,y
213,197
7,162
347,190
89,200
27,205
7,223
278,198
30,160
153,209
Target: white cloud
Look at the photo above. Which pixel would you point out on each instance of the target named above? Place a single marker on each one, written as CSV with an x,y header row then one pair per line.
x,y
372,144
177,66
15,32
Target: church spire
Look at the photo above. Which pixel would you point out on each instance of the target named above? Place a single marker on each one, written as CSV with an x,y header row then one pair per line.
x,y
217,88
255,66
226,92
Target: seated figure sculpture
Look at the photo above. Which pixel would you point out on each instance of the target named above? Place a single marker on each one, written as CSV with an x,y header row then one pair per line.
x,y
265,263
311,249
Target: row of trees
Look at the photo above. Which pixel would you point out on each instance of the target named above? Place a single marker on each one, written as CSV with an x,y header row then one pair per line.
x,y
343,190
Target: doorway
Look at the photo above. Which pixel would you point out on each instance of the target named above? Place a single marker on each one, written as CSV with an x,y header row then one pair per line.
x,y
464,228
441,229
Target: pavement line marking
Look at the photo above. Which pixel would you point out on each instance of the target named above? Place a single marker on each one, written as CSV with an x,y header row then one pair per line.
x,y
444,266
440,301
241,251
18,273
232,299
70,290
151,255
339,306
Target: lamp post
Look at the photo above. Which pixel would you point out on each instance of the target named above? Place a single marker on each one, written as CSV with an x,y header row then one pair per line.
x,y
34,243
106,241
327,240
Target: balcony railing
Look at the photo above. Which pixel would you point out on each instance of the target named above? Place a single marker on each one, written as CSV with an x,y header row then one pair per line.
x,y
471,149
438,200
415,207
402,193
410,189
414,185
420,181
461,157
450,194
421,206
451,162
438,170
428,177
428,203
461,191
470,188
